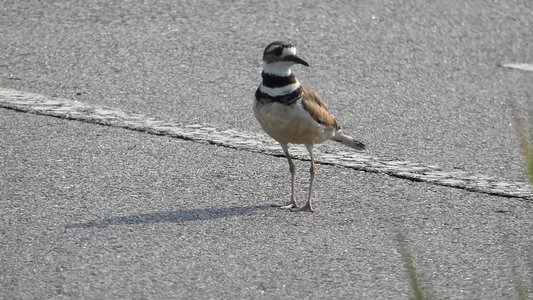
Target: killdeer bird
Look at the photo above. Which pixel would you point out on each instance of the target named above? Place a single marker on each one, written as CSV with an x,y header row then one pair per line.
x,y
292,113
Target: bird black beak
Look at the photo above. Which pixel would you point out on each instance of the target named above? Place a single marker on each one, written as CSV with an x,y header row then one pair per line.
x,y
297,60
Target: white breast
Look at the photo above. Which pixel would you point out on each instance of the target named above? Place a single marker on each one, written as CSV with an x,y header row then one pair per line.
x,y
290,124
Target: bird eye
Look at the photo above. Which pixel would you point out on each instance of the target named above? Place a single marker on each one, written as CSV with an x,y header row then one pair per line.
x,y
278,51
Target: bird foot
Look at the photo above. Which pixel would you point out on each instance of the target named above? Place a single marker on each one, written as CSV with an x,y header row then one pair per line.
x,y
306,208
290,205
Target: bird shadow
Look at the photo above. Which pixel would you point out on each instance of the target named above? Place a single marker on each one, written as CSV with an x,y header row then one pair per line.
x,y
176,216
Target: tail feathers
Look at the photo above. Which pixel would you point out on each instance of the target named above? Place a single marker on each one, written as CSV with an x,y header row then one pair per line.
x,y
348,141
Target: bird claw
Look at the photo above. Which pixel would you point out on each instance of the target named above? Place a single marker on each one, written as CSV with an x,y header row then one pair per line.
x,y
290,205
305,208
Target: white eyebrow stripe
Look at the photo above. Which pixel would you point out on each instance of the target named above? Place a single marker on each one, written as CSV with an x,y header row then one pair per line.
x,y
289,51
272,47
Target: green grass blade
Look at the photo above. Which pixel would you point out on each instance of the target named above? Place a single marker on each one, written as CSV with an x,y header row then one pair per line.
x,y
414,279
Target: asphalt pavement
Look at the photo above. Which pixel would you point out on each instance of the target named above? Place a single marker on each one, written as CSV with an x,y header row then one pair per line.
x,y
99,212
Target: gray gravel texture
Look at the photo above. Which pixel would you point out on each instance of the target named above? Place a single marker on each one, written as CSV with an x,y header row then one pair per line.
x,y
95,212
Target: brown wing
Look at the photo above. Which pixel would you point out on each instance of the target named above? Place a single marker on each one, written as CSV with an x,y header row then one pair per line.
x,y
317,109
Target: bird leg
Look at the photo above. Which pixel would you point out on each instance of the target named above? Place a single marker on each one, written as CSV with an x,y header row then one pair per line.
x,y
308,207
292,204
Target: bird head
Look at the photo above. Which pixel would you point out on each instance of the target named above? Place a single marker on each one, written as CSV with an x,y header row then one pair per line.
x,y
283,53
